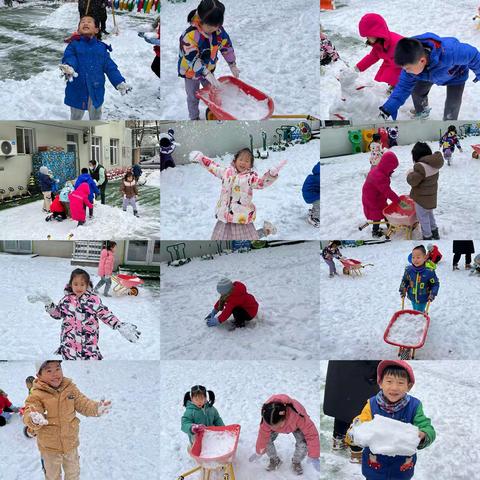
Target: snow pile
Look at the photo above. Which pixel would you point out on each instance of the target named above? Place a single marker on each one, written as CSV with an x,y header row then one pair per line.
x,y
407,329
386,436
240,104
153,179
217,443
63,17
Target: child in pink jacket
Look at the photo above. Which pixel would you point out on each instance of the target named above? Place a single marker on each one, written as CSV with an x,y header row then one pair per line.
x,y
383,42
105,267
78,203
283,414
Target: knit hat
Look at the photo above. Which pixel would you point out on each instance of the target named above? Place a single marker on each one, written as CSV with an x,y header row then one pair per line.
x,y
394,363
44,170
39,364
224,286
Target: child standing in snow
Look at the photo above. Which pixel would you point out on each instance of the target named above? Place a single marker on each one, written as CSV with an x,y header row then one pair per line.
x,y
235,212
85,177
105,267
448,142
199,411
234,300
199,47
419,282
6,408
424,182
395,378
130,192
283,414
376,150
311,194
50,412
46,184
331,251
85,63
78,203
328,53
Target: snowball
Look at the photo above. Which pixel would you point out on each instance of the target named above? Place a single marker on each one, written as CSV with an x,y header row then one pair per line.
x,y
217,443
240,105
407,329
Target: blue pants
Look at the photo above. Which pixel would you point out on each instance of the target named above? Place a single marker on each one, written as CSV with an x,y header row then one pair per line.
x,y
419,307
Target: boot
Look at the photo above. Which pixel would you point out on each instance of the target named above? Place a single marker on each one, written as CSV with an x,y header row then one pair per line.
x,y
435,234
455,266
313,221
428,238
355,456
297,468
339,443
378,233
135,212
468,266
275,462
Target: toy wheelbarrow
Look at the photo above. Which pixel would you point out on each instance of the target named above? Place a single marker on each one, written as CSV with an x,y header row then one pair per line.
x,y
401,218
216,459
476,151
407,330
353,267
126,284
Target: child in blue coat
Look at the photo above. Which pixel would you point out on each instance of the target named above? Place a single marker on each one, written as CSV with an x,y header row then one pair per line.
x,y
311,194
419,282
85,177
426,60
85,63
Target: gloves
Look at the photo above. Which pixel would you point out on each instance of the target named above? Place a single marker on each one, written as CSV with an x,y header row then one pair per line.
x,y
104,407
67,72
403,294
195,156
213,321
254,457
211,314
123,88
212,80
274,171
197,428
14,409
141,34
129,331
383,113
315,462
235,70
38,419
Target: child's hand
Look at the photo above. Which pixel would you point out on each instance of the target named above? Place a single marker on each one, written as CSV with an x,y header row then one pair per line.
x,y
235,70
124,88
195,156
212,80
197,428
68,72
422,436
38,419
213,321
274,171
129,331
104,407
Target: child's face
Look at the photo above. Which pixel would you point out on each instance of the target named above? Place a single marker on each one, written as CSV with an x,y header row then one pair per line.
x,y
199,400
281,423
51,374
416,68
394,388
79,285
87,26
29,384
418,258
243,162
129,178
209,28
371,40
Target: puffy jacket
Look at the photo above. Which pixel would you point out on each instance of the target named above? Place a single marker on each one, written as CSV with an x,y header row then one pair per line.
x,y
78,199
330,252
65,192
46,182
420,283
449,142
137,170
199,50
129,189
193,415
56,206
311,185
80,327
4,403
238,297
296,419
235,203
59,406
90,58
424,180
374,25
376,189
87,178
106,263
448,64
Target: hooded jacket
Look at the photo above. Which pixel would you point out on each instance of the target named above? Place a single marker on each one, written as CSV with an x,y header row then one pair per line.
x,y
238,297
44,179
129,189
424,180
193,415
106,263
311,185
78,199
420,283
87,178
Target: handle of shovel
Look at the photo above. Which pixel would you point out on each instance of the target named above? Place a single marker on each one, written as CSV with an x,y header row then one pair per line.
x,y
403,303
427,308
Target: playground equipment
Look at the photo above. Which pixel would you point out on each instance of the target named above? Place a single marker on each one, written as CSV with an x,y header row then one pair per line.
x,y
355,137
327,4
367,136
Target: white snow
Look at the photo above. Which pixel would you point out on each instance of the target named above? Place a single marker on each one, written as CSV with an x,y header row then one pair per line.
x,y
407,329
190,193
386,436
153,179
341,27
33,333
217,444
288,324
276,46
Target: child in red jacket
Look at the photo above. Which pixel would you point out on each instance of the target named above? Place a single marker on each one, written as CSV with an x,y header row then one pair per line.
x,y
57,211
78,201
234,300
6,409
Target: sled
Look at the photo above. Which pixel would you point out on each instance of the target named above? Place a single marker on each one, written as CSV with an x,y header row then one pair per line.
x,y
353,267
210,96
476,151
209,467
126,284
400,219
407,352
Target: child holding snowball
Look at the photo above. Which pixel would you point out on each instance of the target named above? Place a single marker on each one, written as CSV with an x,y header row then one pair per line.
x,y
50,412
235,212
395,378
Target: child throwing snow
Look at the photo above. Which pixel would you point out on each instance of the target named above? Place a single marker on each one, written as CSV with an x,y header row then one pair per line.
x,y
235,212
130,192
234,300
395,378
283,414
199,411
376,150
105,267
419,282
311,194
51,413
331,251
448,142
424,182
199,47
85,63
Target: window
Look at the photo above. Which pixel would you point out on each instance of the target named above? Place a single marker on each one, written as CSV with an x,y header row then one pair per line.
x,y
114,143
25,140
97,149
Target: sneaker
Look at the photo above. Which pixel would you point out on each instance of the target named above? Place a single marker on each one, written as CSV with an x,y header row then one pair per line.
x,y
338,443
297,468
269,228
274,464
313,221
420,115
455,267
356,456
468,266
435,234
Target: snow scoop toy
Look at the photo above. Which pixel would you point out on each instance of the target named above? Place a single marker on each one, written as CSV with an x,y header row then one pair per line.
x,y
214,450
353,267
476,151
126,284
235,100
407,330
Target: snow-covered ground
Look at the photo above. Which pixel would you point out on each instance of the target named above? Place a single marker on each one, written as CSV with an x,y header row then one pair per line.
x,y
341,27
123,444
343,177
33,47
190,193
276,48
31,332
288,327
438,385
240,389
153,178
355,311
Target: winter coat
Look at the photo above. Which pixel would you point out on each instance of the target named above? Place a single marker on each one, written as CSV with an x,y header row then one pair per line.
x,y
374,25
448,64
87,178
235,203
389,467
99,174
330,252
59,406
349,384
80,324
463,246
420,283
198,53
90,58
311,185
56,206
78,200
376,152
106,263
449,142
296,419
137,170
129,189
65,192
193,415
4,403
424,180
46,182
238,297
376,189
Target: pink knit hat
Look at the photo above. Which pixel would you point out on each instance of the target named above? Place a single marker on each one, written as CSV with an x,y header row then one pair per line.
x,y
394,363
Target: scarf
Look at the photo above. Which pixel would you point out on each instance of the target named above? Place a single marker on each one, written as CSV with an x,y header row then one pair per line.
x,y
389,407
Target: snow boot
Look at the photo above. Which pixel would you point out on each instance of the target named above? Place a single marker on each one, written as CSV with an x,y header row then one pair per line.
x,y
135,212
313,221
338,443
425,113
274,464
455,267
378,233
297,468
435,234
356,455
468,266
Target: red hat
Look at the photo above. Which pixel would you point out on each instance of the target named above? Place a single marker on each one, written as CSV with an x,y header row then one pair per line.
x,y
394,363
